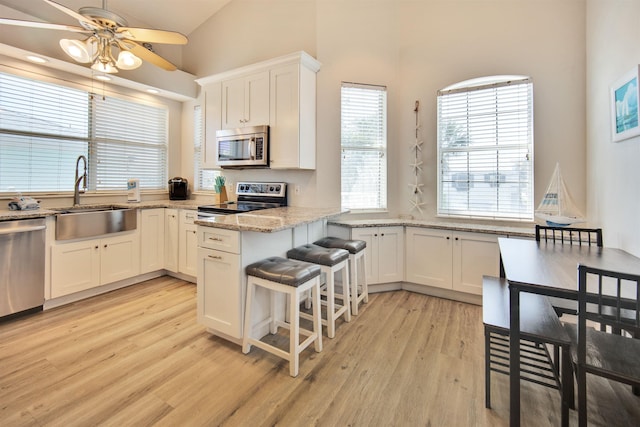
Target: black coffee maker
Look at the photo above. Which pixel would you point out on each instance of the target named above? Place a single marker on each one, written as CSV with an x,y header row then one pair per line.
x,y
178,188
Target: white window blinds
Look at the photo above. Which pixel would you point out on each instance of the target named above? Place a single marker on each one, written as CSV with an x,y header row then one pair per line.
x,y
364,146
485,150
44,127
129,141
43,130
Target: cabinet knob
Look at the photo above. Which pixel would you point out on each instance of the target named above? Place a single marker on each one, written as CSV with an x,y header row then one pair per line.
x,y
447,237
97,246
105,245
456,238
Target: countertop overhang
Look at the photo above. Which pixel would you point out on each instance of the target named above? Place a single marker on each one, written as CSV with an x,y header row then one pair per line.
x,y
270,220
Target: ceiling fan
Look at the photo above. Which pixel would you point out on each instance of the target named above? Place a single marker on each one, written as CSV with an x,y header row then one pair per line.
x,y
107,31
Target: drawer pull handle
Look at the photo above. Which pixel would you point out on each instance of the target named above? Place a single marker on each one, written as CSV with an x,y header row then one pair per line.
x,y
214,256
215,239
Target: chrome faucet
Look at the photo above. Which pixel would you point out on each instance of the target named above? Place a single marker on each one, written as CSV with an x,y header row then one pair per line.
x,y
83,178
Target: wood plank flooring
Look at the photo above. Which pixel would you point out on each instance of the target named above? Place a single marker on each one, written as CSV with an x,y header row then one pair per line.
x,y
138,357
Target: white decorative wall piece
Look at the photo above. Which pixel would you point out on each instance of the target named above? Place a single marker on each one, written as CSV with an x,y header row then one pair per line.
x,y
416,166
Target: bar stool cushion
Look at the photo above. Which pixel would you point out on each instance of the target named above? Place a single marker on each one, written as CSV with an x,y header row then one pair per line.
x,y
353,246
318,255
282,270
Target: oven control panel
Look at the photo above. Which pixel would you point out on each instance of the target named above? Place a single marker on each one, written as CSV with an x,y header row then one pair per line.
x,y
270,189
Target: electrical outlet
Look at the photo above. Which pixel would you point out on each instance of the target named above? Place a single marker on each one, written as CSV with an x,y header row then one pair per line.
x,y
297,190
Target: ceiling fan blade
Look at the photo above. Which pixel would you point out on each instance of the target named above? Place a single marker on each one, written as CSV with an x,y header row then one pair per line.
x,y
44,25
152,36
145,54
76,15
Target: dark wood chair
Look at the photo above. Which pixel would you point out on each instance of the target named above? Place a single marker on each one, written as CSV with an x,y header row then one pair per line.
x,y
570,236
539,326
608,298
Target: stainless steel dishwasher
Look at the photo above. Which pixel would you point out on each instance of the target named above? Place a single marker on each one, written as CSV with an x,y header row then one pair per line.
x,y
22,253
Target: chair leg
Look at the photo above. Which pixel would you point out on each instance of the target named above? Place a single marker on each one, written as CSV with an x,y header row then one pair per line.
x,y
353,280
567,385
487,369
331,305
345,292
294,339
317,316
581,376
246,345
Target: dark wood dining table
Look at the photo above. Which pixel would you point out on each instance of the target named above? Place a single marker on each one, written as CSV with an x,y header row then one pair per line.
x,y
550,269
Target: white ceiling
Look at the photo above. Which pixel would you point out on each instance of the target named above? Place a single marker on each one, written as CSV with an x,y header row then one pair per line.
x,y
183,16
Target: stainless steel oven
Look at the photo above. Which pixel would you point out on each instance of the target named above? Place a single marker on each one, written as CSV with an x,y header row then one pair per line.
x,y
243,147
251,196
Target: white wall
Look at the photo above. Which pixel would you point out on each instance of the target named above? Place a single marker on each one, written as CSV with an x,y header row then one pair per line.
x,y
414,47
613,31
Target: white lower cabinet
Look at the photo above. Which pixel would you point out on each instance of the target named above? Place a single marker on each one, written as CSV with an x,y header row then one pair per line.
x,y
450,259
82,265
171,234
152,240
384,253
188,243
221,299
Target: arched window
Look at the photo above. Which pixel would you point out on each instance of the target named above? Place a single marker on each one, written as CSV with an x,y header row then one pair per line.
x,y
485,148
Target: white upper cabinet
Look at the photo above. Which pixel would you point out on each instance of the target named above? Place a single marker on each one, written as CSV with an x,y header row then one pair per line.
x,y
281,93
245,101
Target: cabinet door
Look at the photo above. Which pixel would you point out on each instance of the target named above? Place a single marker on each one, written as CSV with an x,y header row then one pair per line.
x,y
151,240
245,101
284,118
233,103
390,254
474,255
119,257
74,267
171,240
188,243
220,299
428,258
256,110
369,236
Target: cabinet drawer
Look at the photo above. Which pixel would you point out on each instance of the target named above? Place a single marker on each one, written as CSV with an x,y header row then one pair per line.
x,y
219,239
188,216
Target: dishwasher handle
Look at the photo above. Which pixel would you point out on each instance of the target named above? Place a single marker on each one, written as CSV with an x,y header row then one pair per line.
x,y
22,229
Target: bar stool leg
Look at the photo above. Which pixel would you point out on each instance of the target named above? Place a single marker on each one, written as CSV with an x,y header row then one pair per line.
x,y
331,304
294,340
246,346
346,299
317,315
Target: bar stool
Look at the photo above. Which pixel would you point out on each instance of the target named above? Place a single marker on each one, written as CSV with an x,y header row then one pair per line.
x,y
330,262
356,253
294,279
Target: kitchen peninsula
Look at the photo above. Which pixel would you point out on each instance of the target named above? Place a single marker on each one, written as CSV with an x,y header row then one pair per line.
x,y
228,243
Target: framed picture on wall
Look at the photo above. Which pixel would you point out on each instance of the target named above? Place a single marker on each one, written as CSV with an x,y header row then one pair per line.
x,y
624,106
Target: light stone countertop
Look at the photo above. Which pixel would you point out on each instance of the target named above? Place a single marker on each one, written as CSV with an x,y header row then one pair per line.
x,y
524,231
270,220
6,214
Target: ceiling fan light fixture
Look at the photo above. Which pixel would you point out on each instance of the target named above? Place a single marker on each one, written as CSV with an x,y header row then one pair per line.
x,y
128,61
104,67
77,49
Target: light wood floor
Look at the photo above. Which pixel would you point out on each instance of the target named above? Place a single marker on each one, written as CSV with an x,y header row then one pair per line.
x,y
137,357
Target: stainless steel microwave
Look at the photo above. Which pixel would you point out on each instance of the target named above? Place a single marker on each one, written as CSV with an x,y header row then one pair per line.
x,y
243,147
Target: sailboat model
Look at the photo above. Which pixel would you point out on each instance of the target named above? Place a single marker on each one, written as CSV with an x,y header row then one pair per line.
x,y
557,207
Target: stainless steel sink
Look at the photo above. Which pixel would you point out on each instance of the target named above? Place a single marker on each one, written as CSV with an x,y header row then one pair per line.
x,y
81,222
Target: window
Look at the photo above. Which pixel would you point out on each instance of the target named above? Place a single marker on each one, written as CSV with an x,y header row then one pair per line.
x,y
205,178
44,127
364,146
485,149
